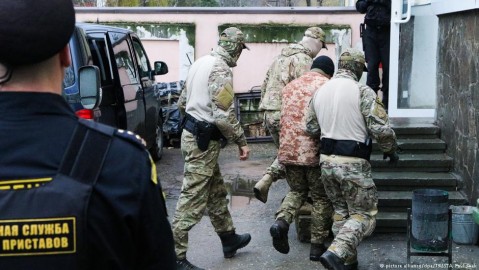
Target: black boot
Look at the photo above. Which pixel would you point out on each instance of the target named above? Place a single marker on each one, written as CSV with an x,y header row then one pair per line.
x,y
279,232
232,242
353,266
186,265
331,261
316,251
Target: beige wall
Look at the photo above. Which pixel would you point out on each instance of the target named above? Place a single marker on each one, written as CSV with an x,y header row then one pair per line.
x,y
253,64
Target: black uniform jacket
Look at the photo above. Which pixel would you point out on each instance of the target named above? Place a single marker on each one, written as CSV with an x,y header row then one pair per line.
x,y
126,221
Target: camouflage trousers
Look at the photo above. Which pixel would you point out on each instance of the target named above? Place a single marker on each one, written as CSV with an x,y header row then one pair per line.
x,y
301,180
203,188
350,187
271,123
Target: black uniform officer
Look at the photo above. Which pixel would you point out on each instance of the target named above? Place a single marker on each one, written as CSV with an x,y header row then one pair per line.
x,y
376,39
73,194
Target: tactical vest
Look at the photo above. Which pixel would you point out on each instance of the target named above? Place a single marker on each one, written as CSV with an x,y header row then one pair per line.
x,y
43,223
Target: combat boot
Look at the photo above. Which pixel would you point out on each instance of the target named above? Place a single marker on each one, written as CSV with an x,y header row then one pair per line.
x,y
353,266
262,187
279,232
331,261
316,251
232,242
186,265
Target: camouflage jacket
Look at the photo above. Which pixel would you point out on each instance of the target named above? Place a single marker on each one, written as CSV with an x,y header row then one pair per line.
x,y
295,146
293,61
208,94
376,120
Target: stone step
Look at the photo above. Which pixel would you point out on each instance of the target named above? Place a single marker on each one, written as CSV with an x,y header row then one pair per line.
x,y
391,222
417,146
415,128
391,217
409,181
399,201
413,163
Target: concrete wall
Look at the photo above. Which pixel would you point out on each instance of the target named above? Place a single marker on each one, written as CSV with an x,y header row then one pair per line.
x,y
180,46
458,93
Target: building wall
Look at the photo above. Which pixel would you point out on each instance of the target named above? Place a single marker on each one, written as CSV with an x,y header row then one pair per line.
x,y
458,93
194,32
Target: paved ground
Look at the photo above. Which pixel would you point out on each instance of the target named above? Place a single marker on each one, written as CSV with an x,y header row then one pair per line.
x,y
380,251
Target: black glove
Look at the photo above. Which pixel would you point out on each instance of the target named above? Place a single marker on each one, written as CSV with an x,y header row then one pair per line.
x,y
393,157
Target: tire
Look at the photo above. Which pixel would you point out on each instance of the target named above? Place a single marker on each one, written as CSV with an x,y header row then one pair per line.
x,y
156,150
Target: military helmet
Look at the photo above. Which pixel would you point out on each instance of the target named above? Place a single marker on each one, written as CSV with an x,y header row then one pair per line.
x,y
234,35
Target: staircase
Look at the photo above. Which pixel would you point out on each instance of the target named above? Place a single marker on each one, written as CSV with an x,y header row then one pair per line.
x,y
423,164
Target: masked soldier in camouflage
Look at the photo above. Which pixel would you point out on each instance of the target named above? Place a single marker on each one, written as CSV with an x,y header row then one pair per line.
x,y
207,102
293,61
299,153
346,113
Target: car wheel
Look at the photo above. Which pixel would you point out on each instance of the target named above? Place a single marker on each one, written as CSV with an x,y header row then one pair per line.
x,y
157,150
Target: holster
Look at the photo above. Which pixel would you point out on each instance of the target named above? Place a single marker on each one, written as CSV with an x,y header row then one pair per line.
x,y
204,132
347,148
362,26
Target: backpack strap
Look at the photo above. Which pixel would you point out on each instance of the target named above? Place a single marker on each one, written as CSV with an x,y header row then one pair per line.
x,y
86,153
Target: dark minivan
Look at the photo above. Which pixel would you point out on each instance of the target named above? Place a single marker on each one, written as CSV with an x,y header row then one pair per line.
x,y
126,97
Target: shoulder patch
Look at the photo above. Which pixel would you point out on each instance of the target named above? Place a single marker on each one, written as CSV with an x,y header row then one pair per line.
x,y
224,97
131,137
379,109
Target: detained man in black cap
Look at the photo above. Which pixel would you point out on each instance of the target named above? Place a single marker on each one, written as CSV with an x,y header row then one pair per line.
x,y
299,154
74,194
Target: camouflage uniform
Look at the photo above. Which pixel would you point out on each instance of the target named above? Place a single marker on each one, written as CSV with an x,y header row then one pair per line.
x,y
207,96
347,180
293,61
299,153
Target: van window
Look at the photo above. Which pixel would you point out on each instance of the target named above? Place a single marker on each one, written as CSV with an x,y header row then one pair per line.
x,y
101,59
124,60
143,63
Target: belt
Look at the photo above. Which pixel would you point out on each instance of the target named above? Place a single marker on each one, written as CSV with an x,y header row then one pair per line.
x,y
190,126
195,127
348,148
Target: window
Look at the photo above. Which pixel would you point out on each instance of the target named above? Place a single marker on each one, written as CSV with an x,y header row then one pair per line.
x,y
143,63
101,58
123,58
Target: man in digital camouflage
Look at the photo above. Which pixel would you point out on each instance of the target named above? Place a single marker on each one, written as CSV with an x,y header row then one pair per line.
x,y
207,103
345,114
299,153
293,61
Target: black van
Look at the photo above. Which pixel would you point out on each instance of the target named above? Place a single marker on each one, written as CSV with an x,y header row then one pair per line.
x,y
126,98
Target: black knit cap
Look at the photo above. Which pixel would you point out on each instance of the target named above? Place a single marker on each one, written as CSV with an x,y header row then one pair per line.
x,y
325,64
32,31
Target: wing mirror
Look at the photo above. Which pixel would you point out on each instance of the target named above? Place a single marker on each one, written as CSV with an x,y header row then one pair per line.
x,y
89,85
161,68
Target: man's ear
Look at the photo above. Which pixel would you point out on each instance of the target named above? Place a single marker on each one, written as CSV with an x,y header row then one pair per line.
x,y
65,58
